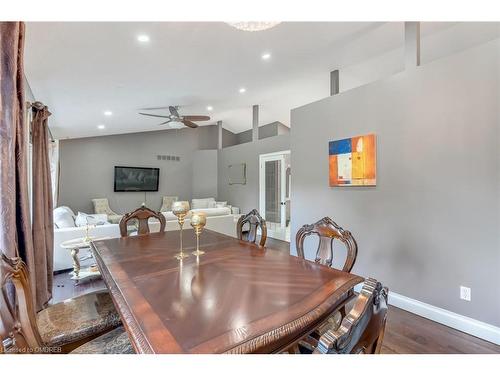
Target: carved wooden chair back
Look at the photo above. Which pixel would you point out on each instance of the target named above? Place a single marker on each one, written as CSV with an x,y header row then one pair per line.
x,y
362,330
327,231
142,215
18,328
255,221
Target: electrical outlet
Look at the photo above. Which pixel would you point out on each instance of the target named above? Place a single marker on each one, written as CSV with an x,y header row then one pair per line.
x,y
465,293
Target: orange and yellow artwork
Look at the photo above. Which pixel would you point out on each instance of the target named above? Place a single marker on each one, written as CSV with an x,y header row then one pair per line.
x,y
353,161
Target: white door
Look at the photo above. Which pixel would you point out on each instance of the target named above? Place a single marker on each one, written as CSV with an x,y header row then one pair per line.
x,y
273,187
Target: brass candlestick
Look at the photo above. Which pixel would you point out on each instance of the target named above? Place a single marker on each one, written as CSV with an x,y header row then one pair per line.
x,y
180,209
198,222
88,227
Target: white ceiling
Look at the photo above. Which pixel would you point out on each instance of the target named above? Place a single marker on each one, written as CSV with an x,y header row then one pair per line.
x,y
82,69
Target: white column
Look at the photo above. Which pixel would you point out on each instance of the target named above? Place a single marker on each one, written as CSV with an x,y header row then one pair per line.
x,y
255,123
412,44
334,82
219,131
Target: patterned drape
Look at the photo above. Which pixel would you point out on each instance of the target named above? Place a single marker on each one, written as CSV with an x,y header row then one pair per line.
x,y
15,226
43,224
54,170
16,236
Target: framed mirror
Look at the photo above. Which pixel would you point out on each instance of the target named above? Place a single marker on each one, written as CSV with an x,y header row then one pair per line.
x,y
237,174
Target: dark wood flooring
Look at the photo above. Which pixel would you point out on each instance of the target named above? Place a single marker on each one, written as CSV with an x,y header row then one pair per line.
x,y
406,333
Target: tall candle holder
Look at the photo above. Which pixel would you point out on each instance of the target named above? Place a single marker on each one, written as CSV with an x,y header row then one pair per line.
x,y
180,209
198,222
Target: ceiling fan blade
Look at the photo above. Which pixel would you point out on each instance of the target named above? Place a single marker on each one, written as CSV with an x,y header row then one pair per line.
x,y
149,114
196,118
152,108
166,122
189,123
173,111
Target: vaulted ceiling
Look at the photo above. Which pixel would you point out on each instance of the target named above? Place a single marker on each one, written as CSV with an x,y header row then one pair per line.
x,y
81,70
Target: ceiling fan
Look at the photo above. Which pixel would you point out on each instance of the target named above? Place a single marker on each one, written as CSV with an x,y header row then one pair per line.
x,y
175,118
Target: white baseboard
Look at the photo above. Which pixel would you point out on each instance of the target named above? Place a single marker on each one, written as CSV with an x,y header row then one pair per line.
x,y
462,323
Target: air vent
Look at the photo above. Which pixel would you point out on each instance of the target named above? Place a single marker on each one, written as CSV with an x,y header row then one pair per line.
x,y
168,157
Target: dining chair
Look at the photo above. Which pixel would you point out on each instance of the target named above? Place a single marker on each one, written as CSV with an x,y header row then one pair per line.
x,y
254,221
360,332
327,231
59,328
142,215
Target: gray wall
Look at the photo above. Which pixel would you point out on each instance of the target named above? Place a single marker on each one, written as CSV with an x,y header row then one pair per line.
x,y
432,222
246,197
87,166
207,137
265,131
228,138
205,174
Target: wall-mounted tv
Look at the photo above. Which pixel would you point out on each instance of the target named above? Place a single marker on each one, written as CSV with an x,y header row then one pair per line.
x,y
136,179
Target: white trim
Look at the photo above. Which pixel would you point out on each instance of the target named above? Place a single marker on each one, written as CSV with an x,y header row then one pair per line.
x,y
459,322
278,155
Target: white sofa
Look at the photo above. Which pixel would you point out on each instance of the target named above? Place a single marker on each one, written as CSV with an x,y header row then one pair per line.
x,y
209,212
219,219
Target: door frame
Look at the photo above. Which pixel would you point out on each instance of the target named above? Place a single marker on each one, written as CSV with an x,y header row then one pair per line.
x,y
278,155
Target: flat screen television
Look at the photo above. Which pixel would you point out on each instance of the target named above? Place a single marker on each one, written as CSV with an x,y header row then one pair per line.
x,y
136,179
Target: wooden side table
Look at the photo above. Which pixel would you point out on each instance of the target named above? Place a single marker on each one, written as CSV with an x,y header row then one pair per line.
x,y
75,245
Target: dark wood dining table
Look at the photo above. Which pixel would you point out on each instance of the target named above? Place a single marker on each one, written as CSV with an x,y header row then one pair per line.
x,y
236,298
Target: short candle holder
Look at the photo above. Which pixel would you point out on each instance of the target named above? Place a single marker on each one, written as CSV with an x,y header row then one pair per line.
x,y
198,222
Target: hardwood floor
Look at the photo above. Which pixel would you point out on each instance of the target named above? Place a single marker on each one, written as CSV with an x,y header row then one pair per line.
x,y
406,333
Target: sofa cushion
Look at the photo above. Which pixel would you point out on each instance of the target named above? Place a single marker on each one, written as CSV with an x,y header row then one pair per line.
x,y
213,211
83,219
203,203
64,217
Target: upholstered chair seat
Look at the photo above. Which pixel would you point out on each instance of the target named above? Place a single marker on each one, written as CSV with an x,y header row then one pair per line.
x,y
113,342
77,319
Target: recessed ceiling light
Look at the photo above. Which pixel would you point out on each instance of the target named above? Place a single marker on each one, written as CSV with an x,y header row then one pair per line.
x,y
101,127
209,108
143,38
242,90
266,56
108,113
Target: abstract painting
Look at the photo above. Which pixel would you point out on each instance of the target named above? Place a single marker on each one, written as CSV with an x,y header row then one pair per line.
x,y
353,161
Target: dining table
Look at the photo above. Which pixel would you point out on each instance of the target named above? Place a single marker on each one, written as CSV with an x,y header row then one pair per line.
x,y
238,297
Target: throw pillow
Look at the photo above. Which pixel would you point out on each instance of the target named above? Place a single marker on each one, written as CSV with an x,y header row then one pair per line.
x,y
82,219
64,217
202,203
220,204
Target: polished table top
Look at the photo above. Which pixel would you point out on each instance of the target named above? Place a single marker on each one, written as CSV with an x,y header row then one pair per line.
x,y
237,298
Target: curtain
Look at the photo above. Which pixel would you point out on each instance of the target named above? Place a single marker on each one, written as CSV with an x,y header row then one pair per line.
x,y
17,236
15,226
43,224
54,169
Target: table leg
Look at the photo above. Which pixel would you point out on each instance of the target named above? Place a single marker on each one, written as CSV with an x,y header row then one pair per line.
x,y
76,262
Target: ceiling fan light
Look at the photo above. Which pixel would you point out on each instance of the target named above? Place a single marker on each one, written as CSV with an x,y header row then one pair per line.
x,y
176,125
254,25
